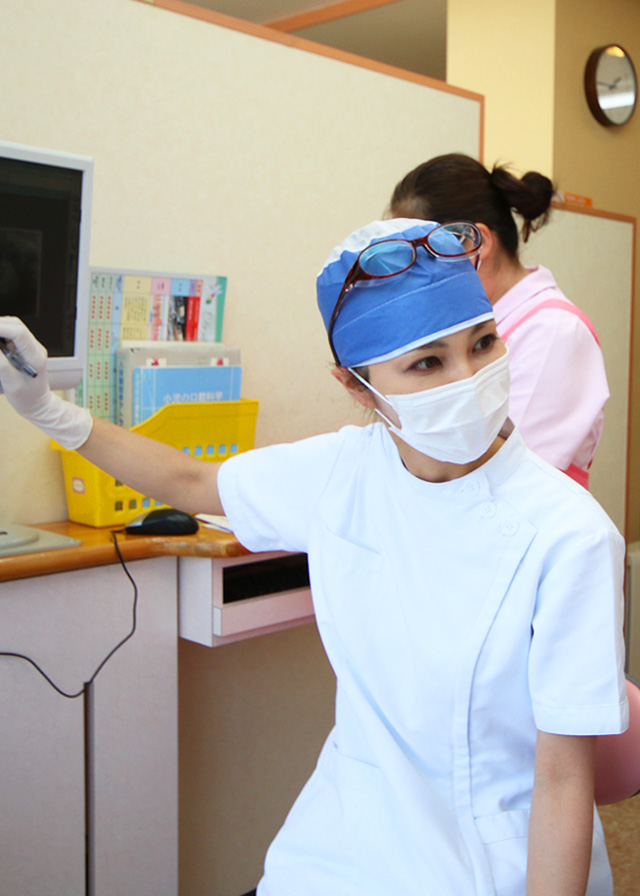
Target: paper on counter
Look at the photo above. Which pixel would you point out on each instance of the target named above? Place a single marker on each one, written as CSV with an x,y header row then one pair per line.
x,y
213,521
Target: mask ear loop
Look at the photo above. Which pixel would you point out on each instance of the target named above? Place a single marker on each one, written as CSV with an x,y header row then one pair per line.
x,y
379,395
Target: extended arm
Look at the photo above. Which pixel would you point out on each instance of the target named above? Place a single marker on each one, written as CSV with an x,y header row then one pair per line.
x,y
150,467
561,826
154,469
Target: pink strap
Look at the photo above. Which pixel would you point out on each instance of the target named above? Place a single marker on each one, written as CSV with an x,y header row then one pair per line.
x,y
578,475
553,303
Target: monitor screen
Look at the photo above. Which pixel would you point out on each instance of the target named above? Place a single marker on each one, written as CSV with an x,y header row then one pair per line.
x,y
45,209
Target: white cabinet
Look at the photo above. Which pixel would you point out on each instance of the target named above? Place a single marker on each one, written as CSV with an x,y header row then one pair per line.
x,y
67,623
228,599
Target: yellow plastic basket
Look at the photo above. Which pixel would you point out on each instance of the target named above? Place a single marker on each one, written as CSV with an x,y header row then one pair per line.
x,y
210,431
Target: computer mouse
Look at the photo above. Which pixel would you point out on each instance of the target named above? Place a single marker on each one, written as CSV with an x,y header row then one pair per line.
x,y
162,521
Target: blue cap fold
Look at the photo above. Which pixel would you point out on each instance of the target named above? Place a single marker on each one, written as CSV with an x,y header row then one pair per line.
x,y
381,319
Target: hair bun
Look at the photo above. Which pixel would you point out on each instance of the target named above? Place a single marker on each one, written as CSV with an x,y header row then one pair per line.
x,y
530,196
541,193
457,187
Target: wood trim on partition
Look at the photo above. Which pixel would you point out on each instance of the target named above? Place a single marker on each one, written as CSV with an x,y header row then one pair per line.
x,y
300,43
326,14
587,210
630,396
263,31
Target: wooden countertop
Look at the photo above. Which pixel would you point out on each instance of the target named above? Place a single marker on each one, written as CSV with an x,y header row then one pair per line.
x,y
97,549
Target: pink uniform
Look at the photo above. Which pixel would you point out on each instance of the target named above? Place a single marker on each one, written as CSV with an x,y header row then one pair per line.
x,y
559,384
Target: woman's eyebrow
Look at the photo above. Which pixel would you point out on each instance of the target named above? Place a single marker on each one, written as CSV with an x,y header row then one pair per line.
x,y
442,343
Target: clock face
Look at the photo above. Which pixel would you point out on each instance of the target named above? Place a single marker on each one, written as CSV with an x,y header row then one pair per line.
x,y
610,84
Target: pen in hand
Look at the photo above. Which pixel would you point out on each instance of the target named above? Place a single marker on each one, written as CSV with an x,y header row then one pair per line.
x,y
18,362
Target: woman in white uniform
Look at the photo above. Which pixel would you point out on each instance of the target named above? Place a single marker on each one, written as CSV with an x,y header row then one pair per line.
x,y
467,593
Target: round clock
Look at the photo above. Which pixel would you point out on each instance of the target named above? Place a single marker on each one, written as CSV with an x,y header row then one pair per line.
x,y
610,85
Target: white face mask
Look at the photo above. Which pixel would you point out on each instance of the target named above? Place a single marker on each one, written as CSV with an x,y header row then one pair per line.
x,y
457,422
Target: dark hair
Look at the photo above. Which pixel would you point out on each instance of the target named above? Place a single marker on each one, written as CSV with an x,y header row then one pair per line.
x,y
455,187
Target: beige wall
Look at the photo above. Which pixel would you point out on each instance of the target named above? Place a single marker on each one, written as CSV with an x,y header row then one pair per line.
x,y
600,162
215,152
503,49
506,49
528,60
218,152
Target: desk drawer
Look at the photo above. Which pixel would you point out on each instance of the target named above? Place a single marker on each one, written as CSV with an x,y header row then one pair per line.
x,y
229,599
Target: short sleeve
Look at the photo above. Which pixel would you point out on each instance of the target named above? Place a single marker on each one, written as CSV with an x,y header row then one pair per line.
x,y
558,385
576,663
269,495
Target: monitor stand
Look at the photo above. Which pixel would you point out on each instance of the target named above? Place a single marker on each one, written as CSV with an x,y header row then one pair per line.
x,y
16,539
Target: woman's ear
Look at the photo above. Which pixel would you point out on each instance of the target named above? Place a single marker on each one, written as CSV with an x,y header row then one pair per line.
x,y
488,242
354,387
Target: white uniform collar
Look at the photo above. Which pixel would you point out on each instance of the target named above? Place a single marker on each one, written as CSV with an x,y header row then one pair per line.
x,y
485,479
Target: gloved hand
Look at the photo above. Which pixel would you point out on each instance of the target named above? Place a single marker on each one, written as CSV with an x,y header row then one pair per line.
x,y
32,397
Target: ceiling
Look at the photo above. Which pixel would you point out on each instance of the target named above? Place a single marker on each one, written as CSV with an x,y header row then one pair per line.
x,y
410,34
261,11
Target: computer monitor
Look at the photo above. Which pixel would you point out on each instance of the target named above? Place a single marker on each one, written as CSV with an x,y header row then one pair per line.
x,y
45,216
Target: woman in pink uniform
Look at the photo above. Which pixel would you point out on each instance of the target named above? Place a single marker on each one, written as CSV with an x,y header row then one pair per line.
x,y
559,385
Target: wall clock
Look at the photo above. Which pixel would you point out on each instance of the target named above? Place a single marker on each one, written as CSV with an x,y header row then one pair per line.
x,y
610,85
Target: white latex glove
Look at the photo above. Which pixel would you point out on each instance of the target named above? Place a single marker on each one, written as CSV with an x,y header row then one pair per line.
x,y
31,396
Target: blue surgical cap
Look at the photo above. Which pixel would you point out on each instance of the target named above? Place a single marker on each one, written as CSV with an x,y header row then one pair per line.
x,y
382,319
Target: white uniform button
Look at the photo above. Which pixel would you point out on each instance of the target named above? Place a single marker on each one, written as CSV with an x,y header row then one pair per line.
x,y
509,527
488,510
470,489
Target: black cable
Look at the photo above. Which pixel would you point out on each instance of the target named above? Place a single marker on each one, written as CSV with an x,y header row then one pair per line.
x,y
27,659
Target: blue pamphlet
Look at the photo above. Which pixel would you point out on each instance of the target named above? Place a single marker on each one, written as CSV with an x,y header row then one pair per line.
x,y
154,387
